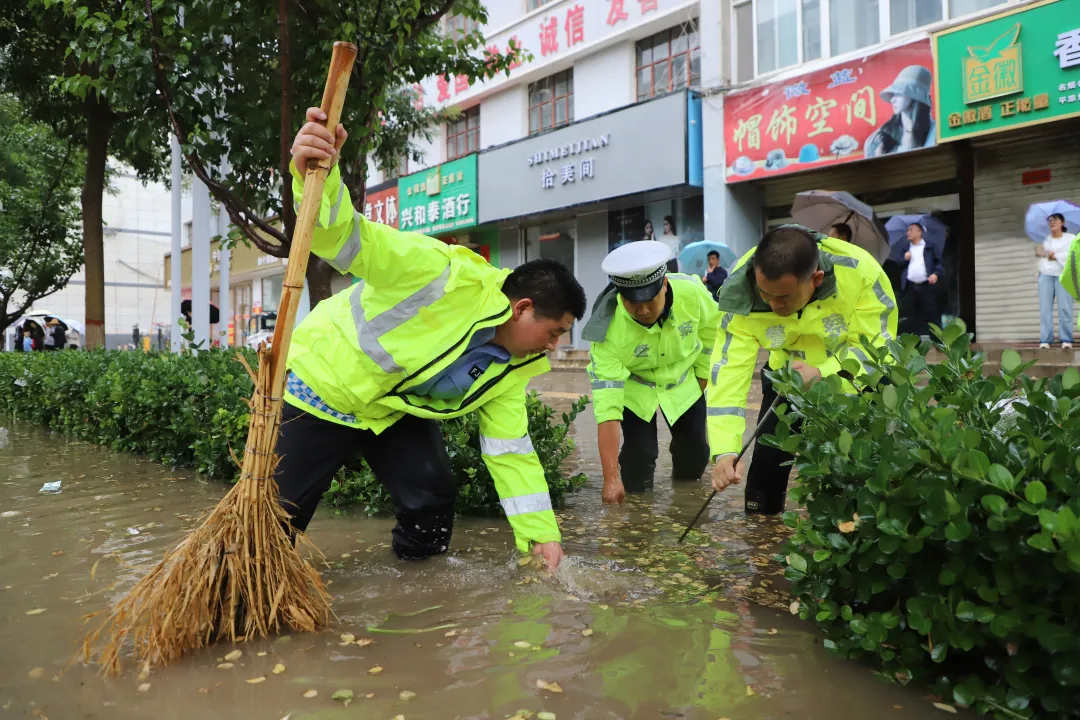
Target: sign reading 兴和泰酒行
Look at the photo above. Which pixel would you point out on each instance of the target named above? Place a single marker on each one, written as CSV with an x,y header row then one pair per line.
x,y
1017,68
439,200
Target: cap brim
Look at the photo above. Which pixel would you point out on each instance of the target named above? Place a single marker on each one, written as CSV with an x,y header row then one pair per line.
x,y
642,294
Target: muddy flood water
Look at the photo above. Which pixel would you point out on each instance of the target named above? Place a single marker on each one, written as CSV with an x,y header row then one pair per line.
x,y
630,627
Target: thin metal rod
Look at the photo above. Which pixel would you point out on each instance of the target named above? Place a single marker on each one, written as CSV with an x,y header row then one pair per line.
x,y
757,432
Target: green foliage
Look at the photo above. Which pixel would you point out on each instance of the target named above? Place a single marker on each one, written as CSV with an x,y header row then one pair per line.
x,y
40,177
941,537
188,410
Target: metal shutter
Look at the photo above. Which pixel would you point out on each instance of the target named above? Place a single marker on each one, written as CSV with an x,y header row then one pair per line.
x,y
1006,296
887,173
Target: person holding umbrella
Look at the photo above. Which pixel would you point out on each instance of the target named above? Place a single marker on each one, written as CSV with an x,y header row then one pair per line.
x,y
801,296
1052,254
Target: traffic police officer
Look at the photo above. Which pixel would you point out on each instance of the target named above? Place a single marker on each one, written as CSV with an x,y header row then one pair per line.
x,y
652,333
801,296
431,332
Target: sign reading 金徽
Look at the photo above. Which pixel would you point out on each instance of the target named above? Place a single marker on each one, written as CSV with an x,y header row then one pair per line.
x,y
439,200
1016,68
869,107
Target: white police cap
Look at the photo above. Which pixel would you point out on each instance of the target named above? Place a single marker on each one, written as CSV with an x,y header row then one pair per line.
x,y
637,269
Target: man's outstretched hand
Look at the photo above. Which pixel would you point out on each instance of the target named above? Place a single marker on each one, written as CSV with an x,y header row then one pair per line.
x,y
552,553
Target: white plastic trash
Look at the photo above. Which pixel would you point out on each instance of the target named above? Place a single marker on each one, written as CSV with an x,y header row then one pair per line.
x,y
51,488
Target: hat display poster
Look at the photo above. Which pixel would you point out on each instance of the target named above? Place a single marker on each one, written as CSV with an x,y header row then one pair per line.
x,y
874,105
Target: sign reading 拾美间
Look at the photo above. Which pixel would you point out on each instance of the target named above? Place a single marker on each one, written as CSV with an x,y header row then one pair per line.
x,y
561,163
868,107
439,200
1016,68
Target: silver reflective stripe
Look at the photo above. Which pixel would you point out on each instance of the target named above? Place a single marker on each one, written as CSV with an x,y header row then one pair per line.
x,y
522,504
642,381
677,383
337,206
800,354
348,252
842,260
607,384
861,357
728,411
884,299
496,446
368,332
723,350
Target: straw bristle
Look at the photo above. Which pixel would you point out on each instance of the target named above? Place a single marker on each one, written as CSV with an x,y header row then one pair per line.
x,y
237,575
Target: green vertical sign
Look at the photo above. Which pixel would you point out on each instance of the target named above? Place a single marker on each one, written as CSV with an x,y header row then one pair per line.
x,y
1010,70
439,200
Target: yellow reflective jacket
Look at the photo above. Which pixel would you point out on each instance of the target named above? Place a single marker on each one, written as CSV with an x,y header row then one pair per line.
x,y
413,313
854,299
642,368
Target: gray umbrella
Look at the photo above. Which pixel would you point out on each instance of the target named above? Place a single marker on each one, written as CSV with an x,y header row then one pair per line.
x,y
821,209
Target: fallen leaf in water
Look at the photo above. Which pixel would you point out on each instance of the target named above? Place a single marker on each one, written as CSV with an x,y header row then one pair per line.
x,y
550,687
586,632
57,553
846,527
772,631
375,670
145,687
545,716
406,695
261,654
398,717
225,666
278,669
256,680
946,708
343,696
311,693
603,607
35,611
234,655
750,691
38,713
793,608
36,673
364,642
345,556
370,695
49,577
450,633
204,691
347,638
523,644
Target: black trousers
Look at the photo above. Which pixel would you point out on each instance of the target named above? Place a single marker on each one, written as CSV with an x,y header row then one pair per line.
x,y
640,448
409,459
919,305
767,480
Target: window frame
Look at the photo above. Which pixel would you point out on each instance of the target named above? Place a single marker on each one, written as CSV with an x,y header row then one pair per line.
x,y
460,129
567,97
532,5
686,29
457,27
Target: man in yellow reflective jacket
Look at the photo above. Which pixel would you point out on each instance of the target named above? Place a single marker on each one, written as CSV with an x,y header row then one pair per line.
x,y
801,296
651,332
431,332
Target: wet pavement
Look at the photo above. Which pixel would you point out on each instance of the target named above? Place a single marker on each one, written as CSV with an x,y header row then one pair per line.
x,y
632,626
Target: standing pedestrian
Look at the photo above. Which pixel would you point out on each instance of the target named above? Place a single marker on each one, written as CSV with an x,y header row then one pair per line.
x,y
59,336
715,275
1052,254
50,339
919,274
841,231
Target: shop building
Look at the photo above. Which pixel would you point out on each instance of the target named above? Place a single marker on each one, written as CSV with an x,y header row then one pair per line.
x,y
1016,113
575,193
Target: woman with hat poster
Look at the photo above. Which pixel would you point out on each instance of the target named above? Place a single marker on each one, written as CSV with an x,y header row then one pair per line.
x,y
912,124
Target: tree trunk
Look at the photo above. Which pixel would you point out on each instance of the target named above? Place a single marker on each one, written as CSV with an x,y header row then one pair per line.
x,y
318,277
98,122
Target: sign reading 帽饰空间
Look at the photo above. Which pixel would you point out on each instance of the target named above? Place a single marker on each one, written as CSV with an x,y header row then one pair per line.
x,y
1019,67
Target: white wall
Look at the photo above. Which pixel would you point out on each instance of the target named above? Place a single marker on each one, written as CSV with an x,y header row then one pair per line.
x,y
432,151
604,81
501,13
504,117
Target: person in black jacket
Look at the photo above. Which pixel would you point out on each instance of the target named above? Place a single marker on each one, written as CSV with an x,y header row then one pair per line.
x,y
716,275
920,271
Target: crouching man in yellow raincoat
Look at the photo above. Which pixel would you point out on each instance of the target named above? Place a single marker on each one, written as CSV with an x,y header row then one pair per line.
x,y
799,295
651,335
431,332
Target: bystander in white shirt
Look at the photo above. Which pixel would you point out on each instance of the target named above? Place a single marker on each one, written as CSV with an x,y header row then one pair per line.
x,y
1059,246
916,272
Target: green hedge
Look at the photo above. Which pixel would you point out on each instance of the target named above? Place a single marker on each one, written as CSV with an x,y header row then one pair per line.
x,y
940,538
188,411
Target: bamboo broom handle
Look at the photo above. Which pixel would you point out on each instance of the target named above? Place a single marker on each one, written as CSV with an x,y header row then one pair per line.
x,y
337,82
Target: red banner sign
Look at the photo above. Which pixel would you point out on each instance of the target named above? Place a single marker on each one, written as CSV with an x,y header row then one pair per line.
x,y
382,206
869,107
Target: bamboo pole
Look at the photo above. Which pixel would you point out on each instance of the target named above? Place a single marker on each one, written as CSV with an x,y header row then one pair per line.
x,y
238,575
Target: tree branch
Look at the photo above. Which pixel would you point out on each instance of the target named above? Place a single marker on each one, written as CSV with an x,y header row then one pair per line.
x,y
423,22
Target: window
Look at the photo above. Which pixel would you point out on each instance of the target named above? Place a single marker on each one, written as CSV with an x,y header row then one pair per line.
x,y
907,15
966,7
458,26
811,30
668,61
533,4
777,34
463,134
853,24
744,42
551,102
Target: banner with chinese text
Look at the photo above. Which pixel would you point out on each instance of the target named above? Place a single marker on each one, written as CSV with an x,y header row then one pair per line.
x,y
869,107
1010,70
381,206
439,200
